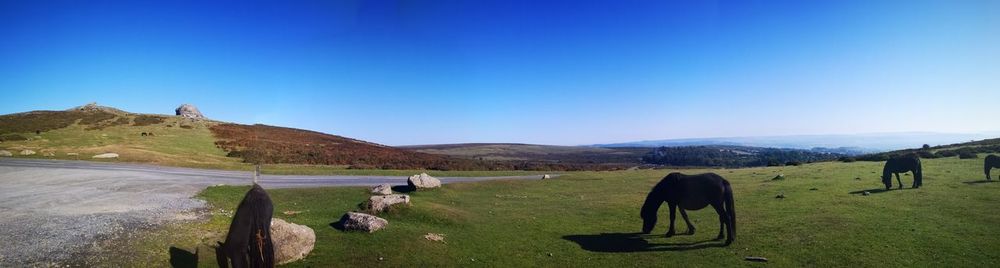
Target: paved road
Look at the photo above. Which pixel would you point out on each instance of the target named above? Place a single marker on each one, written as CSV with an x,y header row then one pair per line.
x,y
54,211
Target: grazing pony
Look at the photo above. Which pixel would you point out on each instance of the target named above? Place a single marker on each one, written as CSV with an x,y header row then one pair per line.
x,y
248,243
992,161
902,164
691,192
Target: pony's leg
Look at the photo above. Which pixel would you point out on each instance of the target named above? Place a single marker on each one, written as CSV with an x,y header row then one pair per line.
x,y
673,208
899,181
723,219
685,216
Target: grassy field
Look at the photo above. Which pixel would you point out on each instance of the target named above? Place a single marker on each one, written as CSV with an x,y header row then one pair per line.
x,y
591,218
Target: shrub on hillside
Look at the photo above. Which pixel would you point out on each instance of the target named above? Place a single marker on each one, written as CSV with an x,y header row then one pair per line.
x,y
146,120
793,163
41,121
926,154
946,153
846,159
12,137
967,155
873,157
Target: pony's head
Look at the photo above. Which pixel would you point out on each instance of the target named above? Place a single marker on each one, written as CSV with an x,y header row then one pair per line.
x,y
648,213
887,180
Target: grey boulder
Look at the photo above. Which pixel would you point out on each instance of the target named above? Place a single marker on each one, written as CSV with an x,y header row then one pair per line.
x,y
292,242
189,111
423,181
379,203
382,189
355,221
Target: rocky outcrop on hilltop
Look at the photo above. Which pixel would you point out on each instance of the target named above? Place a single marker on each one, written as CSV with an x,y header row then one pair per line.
x,y
93,107
189,111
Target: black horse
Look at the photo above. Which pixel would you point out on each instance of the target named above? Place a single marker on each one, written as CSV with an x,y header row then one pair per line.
x,y
691,192
248,243
992,161
902,164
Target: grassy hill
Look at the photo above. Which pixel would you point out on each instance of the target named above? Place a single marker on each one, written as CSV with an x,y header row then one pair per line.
x,y
82,132
589,219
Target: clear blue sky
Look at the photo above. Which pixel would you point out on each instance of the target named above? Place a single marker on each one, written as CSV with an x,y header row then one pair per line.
x,y
552,72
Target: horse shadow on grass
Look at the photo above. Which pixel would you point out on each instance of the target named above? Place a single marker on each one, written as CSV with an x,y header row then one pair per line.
x,y
878,190
633,242
403,188
180,258
980,181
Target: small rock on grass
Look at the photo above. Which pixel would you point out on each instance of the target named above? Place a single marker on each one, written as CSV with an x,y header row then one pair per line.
x,y
755,259
382,189
780,196
866,193
434,237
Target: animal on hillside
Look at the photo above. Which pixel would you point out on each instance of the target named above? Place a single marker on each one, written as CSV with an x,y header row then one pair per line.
x,y
902,164
691,192
992,161
151,134
248,243
143,134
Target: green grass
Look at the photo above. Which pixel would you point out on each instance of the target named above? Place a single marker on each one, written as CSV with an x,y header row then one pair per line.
x,y
949,222
172,146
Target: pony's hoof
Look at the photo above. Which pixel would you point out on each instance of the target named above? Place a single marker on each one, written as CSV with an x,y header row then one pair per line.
x,y
728,241
669,234
690,232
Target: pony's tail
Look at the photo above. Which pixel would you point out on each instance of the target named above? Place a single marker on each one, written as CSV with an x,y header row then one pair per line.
x,y
919,174
987,167
730,208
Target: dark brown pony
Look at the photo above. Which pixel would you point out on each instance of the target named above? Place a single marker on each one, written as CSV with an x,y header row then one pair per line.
x,y
248,243
691,192
902,164
992,161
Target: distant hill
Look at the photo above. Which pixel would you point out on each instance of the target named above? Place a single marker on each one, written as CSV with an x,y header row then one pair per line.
x,y
846,144
624,157
733,156
565,155
962,150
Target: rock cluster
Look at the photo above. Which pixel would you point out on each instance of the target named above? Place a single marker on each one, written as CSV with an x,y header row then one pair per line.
x,y
27,152
5,153
189,111
383,199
